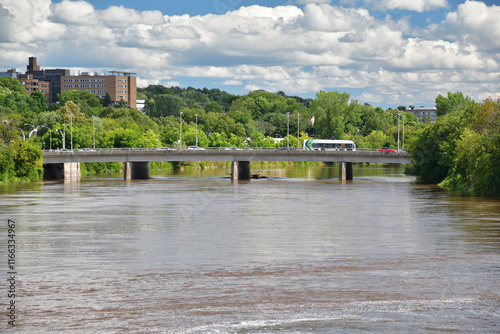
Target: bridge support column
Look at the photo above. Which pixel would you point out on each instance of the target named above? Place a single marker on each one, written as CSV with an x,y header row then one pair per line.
x,y
136,170
60,171
240,170
345,171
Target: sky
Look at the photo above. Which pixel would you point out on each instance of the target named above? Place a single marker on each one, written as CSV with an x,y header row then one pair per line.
x,y
386,53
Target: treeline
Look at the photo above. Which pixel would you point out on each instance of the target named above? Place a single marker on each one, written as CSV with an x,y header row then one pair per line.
x,y
461,150
216,118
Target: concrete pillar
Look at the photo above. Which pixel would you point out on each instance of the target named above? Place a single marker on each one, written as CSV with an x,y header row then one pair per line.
x,y
62,171
72,171
240,170
345,171
136,170
234,170
127,170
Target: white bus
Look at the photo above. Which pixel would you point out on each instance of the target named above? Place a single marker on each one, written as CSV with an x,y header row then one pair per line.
x,y
329,145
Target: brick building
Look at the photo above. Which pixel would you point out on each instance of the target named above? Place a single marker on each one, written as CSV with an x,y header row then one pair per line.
x,y
119,85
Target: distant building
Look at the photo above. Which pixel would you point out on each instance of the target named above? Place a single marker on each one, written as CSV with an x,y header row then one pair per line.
x,y
10,73
53,76
424,114
119,85
32,85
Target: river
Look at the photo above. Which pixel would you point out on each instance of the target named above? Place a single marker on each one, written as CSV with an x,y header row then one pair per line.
x,y
300,251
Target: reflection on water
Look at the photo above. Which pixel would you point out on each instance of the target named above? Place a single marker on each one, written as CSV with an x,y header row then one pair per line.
x,y
301,251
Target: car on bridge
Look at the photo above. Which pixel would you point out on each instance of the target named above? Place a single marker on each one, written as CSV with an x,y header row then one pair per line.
x,y
386,149
196,148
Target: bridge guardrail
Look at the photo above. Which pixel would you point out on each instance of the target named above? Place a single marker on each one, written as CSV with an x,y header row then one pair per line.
x,y
163,149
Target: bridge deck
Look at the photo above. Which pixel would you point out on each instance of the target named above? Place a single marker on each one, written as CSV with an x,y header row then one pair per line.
x,y
135,155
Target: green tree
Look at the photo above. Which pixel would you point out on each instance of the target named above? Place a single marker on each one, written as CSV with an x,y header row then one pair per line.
x,y
434,148
106,102
330,111
28,160
452,103
39,102
477,160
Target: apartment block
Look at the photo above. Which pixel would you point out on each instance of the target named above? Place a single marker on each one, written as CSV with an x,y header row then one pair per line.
x,y
32,85
119,85
427,115
51,82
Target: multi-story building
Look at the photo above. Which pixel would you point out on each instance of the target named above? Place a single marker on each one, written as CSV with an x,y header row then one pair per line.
x,y
10,73
119,85
53,76
32,85
427,115
51,82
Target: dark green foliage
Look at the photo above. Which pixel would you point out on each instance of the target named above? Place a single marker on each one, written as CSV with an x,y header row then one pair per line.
x,y
106,102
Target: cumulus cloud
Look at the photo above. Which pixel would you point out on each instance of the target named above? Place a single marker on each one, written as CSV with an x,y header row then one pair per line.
x,y
27,21
296,50
474,23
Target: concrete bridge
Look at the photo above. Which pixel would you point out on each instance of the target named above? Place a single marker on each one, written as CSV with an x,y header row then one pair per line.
x,y
66,164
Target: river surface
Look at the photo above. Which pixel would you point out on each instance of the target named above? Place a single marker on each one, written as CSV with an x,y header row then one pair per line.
x,y
300,251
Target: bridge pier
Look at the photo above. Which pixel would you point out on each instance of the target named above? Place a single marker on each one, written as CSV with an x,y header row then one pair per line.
x,y
62,171
240,170
136,170
345,171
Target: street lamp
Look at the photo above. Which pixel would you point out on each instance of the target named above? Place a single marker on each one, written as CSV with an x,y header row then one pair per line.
x,y
24,137
287,130
399,115
298,131
35,130
403,131
93,130
180,138
196,129
71,120
63,135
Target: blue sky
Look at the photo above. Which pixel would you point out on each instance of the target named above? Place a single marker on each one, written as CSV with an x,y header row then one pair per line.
x,y
383,52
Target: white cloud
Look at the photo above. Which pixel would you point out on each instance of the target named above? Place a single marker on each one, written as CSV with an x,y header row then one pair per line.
x,y
299,51
474,23
27,21
74,13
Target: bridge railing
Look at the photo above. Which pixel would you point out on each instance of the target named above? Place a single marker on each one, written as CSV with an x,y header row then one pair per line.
x,y
267,149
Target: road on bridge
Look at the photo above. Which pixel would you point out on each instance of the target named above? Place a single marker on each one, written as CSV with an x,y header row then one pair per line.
x,y
220,154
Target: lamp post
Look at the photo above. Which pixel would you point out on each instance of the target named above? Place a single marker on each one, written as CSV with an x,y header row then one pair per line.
x,y
180,137
398,130
93,130
403,131
298,131
196,115
35,129
24,137
287,130
71,120
63,135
